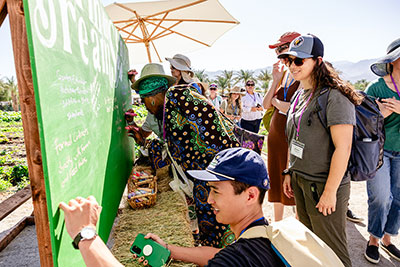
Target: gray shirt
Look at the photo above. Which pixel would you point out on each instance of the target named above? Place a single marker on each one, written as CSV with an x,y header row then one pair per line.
x,y
318,148
151,125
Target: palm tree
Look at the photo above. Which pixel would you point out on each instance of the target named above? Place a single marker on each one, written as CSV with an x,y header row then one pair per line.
x,y
264,77
4,94
222,83
11,86
361,84
228,75
201,75
244,76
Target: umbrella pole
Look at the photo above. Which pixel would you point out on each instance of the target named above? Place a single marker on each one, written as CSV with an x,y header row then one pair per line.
x,y
148,50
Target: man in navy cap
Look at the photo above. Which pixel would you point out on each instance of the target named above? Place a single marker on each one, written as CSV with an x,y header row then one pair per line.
x,y
239,180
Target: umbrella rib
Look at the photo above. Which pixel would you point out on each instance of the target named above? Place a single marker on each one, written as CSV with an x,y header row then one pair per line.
x,y
155,49
166,14
176,8
178,33
199,20
158,35
161,36
131,33
125,21
123,30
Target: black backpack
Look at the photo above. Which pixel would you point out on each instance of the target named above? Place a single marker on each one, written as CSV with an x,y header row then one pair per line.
x,y
368,137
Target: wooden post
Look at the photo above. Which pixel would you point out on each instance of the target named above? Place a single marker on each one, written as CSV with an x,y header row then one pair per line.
x,y
3,11
31,133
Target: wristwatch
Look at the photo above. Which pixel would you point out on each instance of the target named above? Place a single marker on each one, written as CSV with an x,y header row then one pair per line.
x,y
286,172
86,233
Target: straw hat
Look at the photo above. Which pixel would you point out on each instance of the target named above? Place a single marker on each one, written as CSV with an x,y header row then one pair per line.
x,y
180,62
236,90
151,70
380,67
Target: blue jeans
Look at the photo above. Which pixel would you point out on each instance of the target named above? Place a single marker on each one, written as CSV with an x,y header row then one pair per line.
x,y
384,197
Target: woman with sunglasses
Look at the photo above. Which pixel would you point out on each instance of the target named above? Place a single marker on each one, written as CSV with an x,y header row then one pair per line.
x,y
252,108
384,189
281,91
316,174
214,98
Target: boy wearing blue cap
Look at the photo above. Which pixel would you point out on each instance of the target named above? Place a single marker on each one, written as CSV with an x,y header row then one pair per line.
x,y
239,180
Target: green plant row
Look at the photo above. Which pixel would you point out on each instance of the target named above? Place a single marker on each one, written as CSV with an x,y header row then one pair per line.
x,y
9,116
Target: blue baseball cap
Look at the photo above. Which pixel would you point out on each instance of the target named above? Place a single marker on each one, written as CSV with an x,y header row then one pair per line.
x,y
235,164
305,46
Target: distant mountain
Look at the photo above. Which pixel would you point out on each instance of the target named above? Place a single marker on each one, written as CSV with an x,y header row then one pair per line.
x,y
355,71
348,70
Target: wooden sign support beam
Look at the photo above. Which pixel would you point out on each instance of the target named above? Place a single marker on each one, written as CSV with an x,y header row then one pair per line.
x,y
31,130
3,11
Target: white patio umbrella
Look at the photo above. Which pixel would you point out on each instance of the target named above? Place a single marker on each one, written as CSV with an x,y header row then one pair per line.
x,y
155,30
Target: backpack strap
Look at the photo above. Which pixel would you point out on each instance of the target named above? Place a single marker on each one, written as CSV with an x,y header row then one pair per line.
x,y
322,103
255,232
261,231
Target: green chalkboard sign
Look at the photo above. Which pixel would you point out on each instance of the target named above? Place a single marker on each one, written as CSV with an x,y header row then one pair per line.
x,y
79,65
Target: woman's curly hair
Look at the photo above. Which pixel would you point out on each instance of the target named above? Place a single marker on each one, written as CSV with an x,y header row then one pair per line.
x,y
325,76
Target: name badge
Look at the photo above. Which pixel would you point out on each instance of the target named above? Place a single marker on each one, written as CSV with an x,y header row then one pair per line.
x,y
297,148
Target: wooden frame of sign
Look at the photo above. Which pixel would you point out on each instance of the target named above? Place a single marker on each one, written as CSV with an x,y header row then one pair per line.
x,y
14,10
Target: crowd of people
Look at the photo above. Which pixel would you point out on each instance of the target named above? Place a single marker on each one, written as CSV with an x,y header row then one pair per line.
x,y
306,166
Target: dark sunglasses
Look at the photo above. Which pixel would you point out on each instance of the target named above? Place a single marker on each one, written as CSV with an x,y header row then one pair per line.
x,y
213,89
250,84
279,49
297,61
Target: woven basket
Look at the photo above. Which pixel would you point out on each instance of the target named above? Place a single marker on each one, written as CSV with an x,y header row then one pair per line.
x,y
142,188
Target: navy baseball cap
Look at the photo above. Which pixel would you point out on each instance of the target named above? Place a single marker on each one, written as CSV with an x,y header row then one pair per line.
x,y
235,164
305,46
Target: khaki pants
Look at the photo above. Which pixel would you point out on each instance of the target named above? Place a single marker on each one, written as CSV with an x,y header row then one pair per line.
x,y
332,228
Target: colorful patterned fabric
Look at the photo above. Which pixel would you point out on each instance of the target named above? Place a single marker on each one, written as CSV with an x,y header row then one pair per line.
x,y
195,132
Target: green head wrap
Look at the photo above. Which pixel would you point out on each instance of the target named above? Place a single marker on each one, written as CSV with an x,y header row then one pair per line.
x,y
152,86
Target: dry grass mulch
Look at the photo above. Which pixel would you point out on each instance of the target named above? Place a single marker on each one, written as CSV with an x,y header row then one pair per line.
x,y
167,218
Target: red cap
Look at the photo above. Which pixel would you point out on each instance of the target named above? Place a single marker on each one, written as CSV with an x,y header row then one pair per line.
x,y
287,37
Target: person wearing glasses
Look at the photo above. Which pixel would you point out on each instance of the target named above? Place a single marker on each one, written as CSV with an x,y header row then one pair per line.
x,y
282,89
252,108
316,175
215,99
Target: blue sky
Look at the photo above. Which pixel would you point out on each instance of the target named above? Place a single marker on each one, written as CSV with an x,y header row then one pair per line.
x,y
351,30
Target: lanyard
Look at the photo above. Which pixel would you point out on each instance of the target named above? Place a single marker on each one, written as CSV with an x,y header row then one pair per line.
x,y
395,86
302,111
234,109
286,89
253,97
259,219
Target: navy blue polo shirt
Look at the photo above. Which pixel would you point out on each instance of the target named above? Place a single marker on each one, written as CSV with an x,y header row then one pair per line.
x,y
247,252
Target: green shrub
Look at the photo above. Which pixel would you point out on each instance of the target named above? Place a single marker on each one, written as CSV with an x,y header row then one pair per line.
x,y
18,174
4,184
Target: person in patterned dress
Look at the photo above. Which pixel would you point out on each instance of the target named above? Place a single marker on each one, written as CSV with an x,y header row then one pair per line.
x,y
194,132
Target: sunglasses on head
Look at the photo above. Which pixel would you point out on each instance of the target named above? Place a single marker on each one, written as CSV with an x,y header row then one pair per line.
x,y
279,49
297,61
